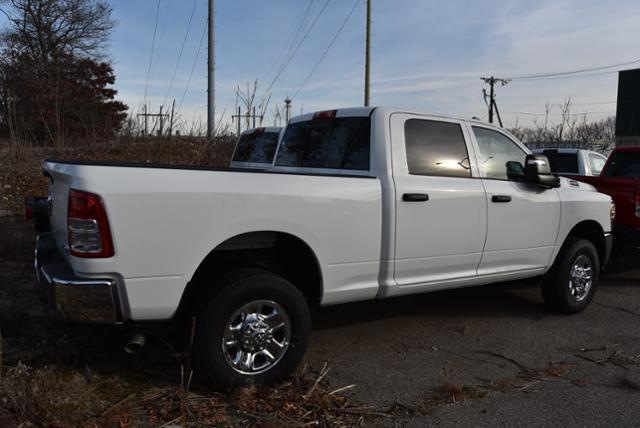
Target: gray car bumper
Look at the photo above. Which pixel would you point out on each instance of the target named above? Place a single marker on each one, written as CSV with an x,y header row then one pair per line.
x,y
87,300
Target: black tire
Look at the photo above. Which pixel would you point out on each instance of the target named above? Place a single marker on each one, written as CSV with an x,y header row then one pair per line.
x,y
556,289
240,288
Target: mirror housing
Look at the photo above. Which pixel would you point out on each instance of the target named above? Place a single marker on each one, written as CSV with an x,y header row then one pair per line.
x,y
537,170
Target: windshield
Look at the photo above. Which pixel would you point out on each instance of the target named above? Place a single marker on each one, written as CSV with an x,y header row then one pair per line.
x,y
624,164
256,147
334,143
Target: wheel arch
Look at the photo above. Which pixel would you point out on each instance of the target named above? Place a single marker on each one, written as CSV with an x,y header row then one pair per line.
x,y
279,252
593,232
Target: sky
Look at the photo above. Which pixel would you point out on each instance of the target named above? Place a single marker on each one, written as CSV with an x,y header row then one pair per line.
x,y
427,55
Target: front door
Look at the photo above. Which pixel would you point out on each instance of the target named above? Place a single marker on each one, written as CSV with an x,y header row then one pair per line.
x,y
522,218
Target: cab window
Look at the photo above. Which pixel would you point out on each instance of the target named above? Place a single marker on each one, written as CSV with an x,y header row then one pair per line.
x,y
333,143
436,148
495,151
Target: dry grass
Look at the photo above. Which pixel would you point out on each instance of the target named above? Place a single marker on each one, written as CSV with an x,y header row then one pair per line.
x,y
20,173
64,397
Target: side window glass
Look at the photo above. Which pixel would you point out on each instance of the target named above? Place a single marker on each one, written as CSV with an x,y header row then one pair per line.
x,y
495,151
436,148
596,163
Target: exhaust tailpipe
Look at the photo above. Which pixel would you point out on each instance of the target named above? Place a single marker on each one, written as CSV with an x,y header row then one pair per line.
x,y
135,343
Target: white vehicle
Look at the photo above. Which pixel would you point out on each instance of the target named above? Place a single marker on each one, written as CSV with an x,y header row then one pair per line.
x,y
256,148
362,203
574,161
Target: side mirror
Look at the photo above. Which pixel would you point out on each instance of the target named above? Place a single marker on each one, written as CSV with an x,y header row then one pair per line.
x,y
537,170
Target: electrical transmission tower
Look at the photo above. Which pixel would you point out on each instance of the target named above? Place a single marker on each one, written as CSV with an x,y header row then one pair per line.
x,y
491,104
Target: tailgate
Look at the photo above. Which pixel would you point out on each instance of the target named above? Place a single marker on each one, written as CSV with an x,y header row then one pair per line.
x,y
60,179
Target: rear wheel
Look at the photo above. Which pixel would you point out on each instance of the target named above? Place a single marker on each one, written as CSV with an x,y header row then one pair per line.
x,y
572,281
254,331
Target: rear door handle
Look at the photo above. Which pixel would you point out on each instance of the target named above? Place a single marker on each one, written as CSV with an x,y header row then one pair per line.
x,y
501,198
415,197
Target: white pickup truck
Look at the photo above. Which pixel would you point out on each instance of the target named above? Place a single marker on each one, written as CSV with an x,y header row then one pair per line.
x,y
362,203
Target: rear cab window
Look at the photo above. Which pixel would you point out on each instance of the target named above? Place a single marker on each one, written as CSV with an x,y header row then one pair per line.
x,y
257,147
327,143
562,163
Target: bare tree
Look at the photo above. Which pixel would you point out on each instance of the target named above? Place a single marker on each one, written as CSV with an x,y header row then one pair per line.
x,y
53,72
572,130
44,29
248,98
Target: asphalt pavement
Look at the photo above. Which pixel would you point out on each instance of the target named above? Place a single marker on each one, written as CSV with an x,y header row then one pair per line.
x,y
490,356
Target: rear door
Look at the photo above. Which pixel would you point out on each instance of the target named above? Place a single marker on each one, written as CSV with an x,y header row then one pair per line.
x,y
441,208
522,219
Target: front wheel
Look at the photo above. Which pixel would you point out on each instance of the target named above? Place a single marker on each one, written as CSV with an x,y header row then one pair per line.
x,y
572,281
254,331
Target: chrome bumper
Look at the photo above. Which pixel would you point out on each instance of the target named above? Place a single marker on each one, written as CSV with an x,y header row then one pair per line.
x,y
87,300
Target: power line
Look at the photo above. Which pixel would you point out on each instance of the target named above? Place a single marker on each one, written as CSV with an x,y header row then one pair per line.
x,y
293,54
289,45
573,72
572,103
184,41
153,45
584,113
324,54
195,62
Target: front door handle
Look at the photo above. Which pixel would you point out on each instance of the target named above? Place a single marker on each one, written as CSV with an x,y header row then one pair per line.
x,y
501,198
415,197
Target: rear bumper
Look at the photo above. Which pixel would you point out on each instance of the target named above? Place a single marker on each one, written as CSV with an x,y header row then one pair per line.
x,y
75,298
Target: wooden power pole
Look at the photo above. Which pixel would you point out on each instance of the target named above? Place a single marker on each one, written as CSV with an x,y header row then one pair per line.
x,y
211,64
367,57
146,117
491,104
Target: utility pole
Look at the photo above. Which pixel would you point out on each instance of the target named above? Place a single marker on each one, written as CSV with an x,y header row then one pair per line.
x,y
287,109
173,107
491,104
211,64
145,120
237,116
248,117
161,123
146,116
367,57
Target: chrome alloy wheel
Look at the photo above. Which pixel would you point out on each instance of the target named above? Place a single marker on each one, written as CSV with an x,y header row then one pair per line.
x,y
256,337
580,277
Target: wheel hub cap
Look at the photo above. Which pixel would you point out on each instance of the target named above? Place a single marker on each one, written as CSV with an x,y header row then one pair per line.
x,y
581,278
256,337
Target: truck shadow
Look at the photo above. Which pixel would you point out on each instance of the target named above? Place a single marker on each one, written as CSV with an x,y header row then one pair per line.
x,y
514,300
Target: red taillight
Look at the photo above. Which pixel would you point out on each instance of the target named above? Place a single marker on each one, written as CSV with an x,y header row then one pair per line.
x,y
28,213
329,114
88,226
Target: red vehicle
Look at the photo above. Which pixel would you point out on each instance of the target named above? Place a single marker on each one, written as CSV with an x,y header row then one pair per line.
x,y
620,179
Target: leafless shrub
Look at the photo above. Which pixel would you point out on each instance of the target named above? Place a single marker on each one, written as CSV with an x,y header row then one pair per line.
x,y
573,130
